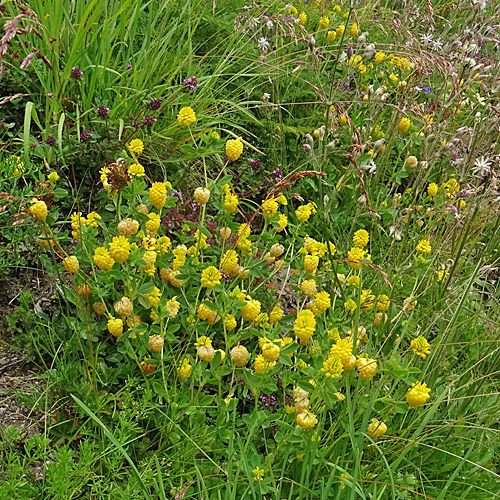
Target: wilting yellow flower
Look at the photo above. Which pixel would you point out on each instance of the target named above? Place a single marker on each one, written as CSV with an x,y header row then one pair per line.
x,y
306,420
71,264
376,428
173,306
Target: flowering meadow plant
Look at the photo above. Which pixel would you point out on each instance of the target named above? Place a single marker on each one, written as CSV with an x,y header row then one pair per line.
x,y
271,249
255,315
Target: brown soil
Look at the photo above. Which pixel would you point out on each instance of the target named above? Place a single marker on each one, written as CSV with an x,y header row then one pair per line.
x,y
18,376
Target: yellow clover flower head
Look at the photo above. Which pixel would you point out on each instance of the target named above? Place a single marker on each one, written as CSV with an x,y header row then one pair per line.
x,y
420,347
186,116
355,257
201,195
304,326
376,428
115,327
404,125
158,195
184,369
210,277
136,146
332,367
324,21
432,189
417,395
38,209
306,420
360,238
424,246
119,249
71,264
136,170
234,148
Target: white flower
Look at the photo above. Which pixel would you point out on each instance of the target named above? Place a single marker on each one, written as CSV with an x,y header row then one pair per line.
x,y
480,100
263,44
270,25
253,22
371,166
438,44
482,166
265,97
426,38
395,233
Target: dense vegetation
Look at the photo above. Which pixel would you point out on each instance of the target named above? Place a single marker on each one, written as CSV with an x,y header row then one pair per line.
x,y
271,233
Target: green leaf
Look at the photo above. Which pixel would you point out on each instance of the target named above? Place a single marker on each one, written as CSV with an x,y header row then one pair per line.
x,y
146,288
60,193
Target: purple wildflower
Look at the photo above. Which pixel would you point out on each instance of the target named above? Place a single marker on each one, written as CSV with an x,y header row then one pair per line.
x,y
76,74
155,103
149,120
191,84
51,141
103,111
85,136
277,174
